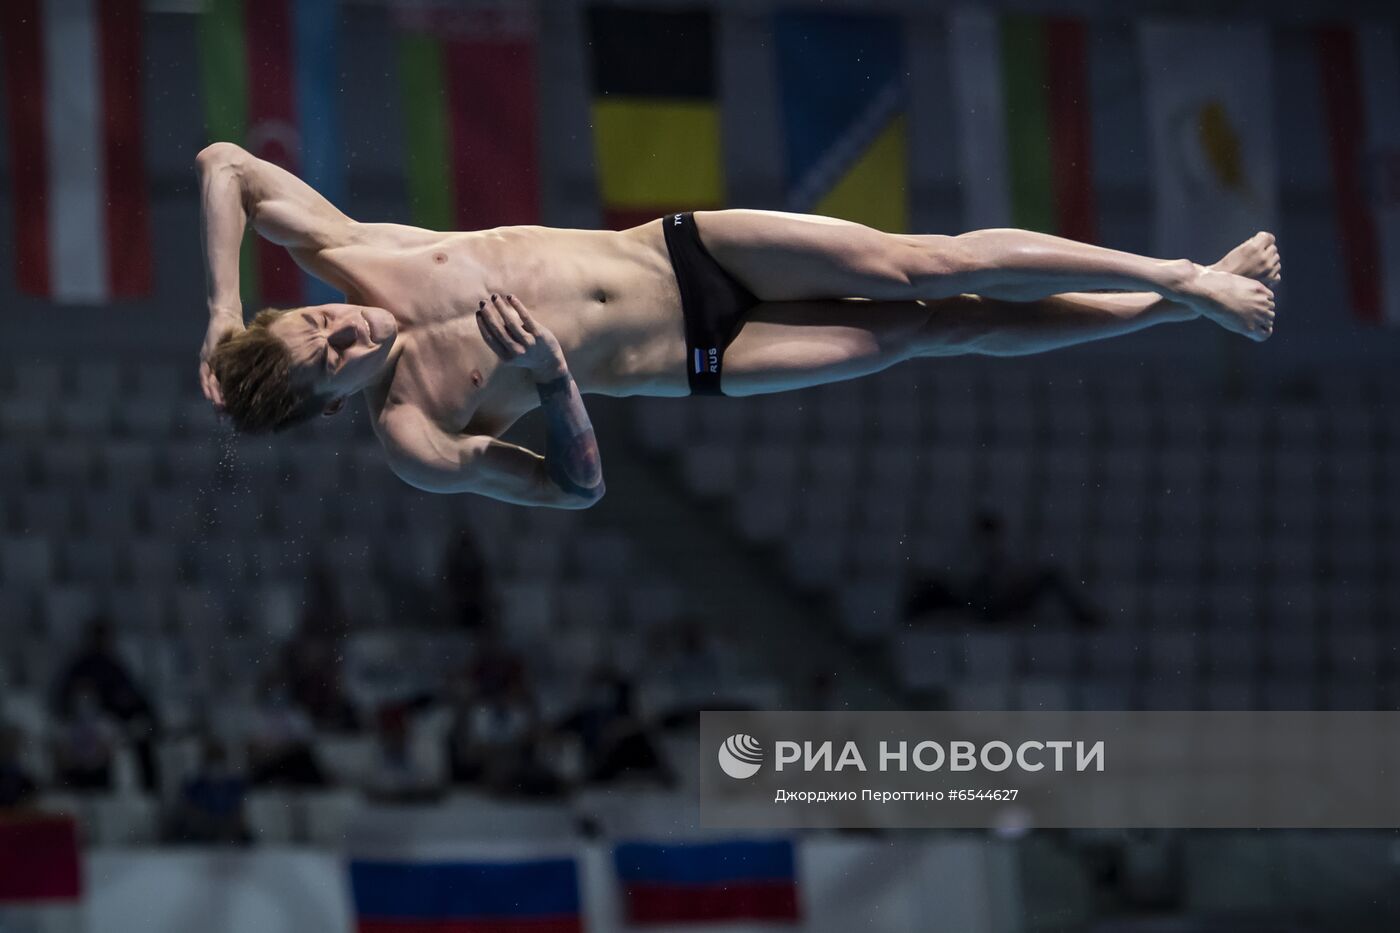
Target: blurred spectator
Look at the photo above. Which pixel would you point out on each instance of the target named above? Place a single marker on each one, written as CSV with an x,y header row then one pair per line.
x,y
495,667
471,600
210,808
497,740
279,747
997,587
17,788
85,742
692,660
821,692
400,774
687,664
313,658
98,667
616,743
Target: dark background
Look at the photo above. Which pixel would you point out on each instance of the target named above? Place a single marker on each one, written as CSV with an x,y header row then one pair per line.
x,y
1220,513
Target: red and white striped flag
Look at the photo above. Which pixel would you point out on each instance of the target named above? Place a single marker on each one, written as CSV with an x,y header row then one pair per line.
x,y
1360,72
73,73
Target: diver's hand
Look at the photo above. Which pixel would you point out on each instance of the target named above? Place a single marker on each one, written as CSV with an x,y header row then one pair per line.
x,y
518,339
221,322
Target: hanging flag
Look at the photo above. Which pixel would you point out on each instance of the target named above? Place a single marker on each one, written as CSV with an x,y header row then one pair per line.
x,y
73,75
1211,132
469,86
1022,99
1360,71
41,884
655,112
698,882
841,82
271,76
527,896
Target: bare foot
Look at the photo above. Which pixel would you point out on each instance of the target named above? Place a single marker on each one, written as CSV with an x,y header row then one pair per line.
x,y
1256,258
1236,303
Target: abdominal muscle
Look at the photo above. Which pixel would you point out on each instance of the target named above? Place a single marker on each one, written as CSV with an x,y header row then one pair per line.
x,y
627,337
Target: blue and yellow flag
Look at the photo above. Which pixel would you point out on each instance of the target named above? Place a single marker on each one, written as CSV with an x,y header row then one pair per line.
x,y
843,101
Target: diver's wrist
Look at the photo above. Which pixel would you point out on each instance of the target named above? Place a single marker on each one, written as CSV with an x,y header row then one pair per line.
x,y
550,371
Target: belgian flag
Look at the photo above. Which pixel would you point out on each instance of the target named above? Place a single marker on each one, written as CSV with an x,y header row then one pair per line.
x,y
655,112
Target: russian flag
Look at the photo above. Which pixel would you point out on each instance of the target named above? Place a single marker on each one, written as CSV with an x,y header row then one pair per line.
x,y
535,896
701,882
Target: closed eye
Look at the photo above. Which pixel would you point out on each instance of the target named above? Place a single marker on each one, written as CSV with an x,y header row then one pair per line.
x,y
326,349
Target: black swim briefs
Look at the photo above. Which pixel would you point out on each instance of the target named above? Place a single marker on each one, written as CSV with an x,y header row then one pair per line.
x,y
712,301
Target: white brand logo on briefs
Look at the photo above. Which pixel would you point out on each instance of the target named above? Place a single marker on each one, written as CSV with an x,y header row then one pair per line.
x,y
740,756
677,221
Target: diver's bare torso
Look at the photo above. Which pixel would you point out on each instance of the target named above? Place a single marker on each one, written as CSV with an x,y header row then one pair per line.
x,y
609,297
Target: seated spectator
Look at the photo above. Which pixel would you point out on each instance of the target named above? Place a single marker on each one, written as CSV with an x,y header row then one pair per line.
x,y
471,600
312,659
279,746
996,587
495,667
210,808
98,667
616,743
688,661
399,774
17,788
85,743
497,741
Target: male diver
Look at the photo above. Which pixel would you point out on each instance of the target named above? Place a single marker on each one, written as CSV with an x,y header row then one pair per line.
x,y
451,337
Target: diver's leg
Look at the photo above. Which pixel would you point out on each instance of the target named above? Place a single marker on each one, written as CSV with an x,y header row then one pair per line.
x,y
794,257
795,344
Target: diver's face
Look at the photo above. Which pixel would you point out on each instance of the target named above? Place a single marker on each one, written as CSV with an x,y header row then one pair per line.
x,y
337,349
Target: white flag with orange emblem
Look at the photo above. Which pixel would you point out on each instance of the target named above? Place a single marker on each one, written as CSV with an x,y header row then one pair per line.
x,y
1210,116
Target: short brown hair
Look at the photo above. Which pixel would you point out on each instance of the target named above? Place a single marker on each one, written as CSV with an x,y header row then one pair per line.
x,y
254,369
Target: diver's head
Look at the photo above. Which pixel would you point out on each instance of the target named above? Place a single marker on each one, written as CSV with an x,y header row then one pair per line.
x,y
289,366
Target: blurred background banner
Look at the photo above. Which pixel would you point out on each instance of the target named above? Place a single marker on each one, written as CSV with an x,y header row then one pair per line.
x,y
41,877
1360,72
73,76
1023,96
468,79
655,112
519,896
708,882
841,81
1209,89
272,79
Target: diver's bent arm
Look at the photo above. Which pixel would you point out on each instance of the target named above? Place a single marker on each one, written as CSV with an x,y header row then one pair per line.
x,y
425,456
224,219
571,450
